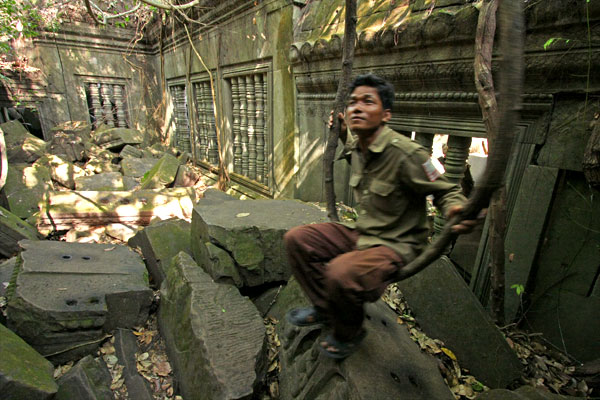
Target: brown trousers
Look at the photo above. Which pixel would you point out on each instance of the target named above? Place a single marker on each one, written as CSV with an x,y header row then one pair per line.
x,y
336,277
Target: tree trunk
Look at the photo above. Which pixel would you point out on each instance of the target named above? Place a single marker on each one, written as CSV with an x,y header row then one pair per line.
x,y
511,82
484,43
340,99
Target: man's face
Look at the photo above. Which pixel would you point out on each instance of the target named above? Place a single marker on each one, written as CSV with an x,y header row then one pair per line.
x,y
365,112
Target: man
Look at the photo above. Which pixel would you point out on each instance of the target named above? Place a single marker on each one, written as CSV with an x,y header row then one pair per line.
x,y
342,266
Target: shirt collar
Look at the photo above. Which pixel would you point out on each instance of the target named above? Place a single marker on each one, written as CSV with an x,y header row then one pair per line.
x,y
380,142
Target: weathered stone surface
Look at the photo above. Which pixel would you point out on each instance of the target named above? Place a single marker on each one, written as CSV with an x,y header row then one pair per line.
x,y
89,379
214,197
24,373
25,188
81,129
65,210
447,310
185,177
137,167
6,273
125,349
215,337
70,293
388,364
160,242
522,393
61,171
220,266
21,146
122,232
249,232
117,138
69,147
130,151
98,166
162,174
107,181
266,300
13,229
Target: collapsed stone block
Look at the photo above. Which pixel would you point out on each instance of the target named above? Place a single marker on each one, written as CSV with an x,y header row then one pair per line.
x,y
69,147
107,181
248,231
447,309
70,294
89,379
82,129
61,171
12,230
215,337
117,138
185,177
387,365
65,210
162,174
160,242
25,188
21,146
24,373
130,151
137,167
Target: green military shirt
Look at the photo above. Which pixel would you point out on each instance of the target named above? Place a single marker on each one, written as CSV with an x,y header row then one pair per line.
x,y
390,186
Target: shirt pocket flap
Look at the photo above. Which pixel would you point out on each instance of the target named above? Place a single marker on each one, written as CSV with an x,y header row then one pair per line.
x,y
381,188
355,180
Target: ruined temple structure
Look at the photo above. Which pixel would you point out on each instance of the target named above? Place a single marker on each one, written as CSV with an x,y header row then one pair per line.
x,y
274,66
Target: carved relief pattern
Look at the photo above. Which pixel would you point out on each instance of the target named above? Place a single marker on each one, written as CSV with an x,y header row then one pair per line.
x,y
237,144
107,114
96,104
213,148
260,126
251,127
182,130
202,136
121,121
266,132
244,124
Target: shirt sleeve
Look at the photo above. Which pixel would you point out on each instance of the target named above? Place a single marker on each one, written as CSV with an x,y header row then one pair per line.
x,y
346,153
420,175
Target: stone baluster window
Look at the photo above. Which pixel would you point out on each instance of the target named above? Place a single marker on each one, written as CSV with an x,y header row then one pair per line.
x,y
206,137
107,104
180,113
251,134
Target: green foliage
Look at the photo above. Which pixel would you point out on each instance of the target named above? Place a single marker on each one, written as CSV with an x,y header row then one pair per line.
x,y
550,41
17,17
520,289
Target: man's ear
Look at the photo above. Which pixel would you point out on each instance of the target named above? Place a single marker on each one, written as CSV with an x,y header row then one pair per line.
x,y
387,115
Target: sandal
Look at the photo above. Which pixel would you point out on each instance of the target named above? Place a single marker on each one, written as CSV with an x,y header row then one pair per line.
x,y
307,316
333,348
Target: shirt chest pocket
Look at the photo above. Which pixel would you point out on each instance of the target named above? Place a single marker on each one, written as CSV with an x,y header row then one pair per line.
x,y
382,195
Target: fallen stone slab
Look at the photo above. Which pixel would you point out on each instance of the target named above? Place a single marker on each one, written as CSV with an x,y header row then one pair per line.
x,y
69,147
66,210
116,138
89,379
68,295
61,170
7,267
130,151
213,196
122,232
12,230
26,185
21,146
162,173
387,365
215,337
126,348
251,231
186,177
159,242
220,266
107,181
137,167
446,309
82,129
24,373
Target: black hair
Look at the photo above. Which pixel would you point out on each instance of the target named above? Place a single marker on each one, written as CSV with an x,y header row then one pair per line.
x,y
385,90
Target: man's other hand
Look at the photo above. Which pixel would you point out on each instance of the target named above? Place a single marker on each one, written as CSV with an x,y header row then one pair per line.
x,y
340,118
467,225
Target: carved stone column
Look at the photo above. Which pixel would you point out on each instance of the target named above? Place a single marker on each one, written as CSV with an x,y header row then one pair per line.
x,y
244,124
107,113
120,106
96,104
251,127
213,147
237,143
425,140
260,124
456,157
